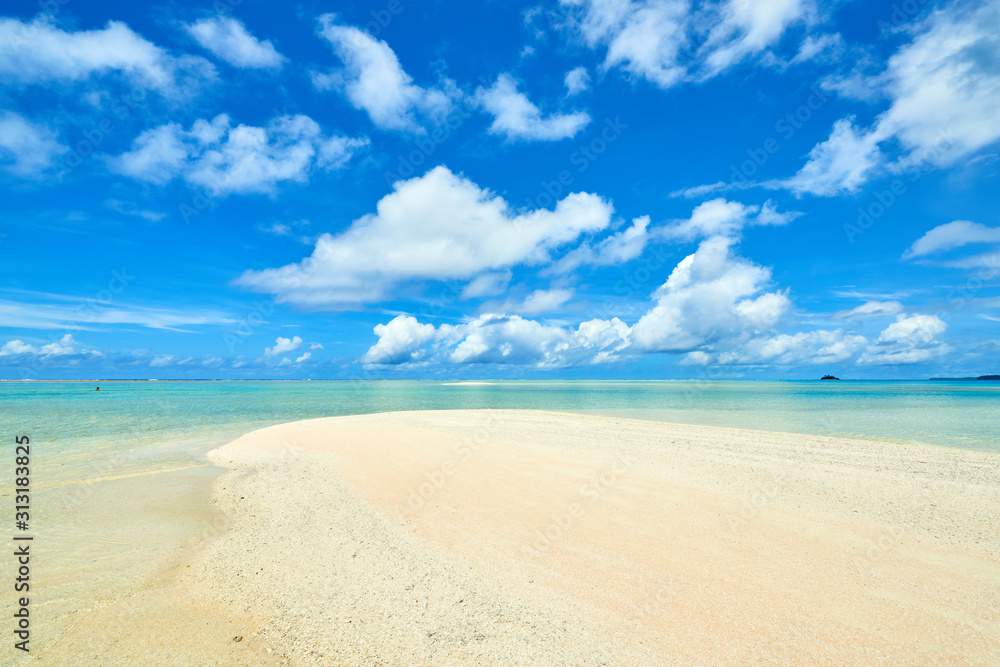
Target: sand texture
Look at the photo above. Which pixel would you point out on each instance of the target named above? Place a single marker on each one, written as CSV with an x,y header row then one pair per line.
x,y
519,537
514,537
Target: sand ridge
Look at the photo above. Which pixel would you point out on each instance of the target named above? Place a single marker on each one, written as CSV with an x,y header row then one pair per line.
x,y
521,537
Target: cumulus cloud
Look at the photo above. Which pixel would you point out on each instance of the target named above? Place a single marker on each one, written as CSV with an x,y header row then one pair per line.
x,y
27,149
910,339
65,346
716,308
944,93
516,117
710,295
229,40
374,81
242,159
399,341
283,345
499,339
38,52
16,346
437,226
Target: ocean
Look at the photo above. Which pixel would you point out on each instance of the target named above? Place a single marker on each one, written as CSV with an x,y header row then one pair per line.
x,y
79,434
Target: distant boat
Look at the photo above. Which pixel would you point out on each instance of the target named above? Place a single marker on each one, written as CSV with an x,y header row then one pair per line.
x,y
829,377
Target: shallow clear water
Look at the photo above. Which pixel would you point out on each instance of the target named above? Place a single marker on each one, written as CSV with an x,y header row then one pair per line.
x,y
80,433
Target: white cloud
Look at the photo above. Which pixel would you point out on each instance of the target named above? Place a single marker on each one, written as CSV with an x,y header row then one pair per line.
x,y
698,191
516,117
487,284
283,345
55,311
711,294
374,80
987,263
538,302
811,347
747,27
242,159
129,208
163,360
434,227
502,339
499,339
306,356
316,346
624,245
719,217
871,309
842,163
910,339
617,248
952,235
38,52
825,47
946,82
26,149
944,93
229,40
15,346
295,229
666,42
645,38
399,341
696,358
577,80
65,346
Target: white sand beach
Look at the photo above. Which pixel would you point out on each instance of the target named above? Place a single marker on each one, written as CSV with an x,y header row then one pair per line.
x,y
511,537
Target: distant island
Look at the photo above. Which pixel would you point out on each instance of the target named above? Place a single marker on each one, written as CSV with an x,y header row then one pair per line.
x,y
981,377
829,377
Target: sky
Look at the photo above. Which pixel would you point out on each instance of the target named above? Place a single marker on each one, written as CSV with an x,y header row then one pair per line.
x,y
566,189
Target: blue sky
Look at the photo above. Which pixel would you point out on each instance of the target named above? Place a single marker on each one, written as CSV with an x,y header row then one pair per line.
x,y
574,188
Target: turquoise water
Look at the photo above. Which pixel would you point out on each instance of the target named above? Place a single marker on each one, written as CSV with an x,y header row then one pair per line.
x,y
82,433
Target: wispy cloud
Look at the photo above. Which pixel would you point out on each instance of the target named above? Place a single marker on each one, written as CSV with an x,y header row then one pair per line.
x,y
92,314
27,149
374,80
517,118
38,52
229,40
